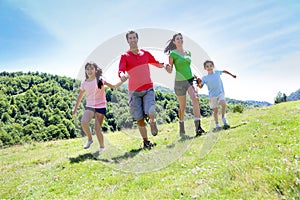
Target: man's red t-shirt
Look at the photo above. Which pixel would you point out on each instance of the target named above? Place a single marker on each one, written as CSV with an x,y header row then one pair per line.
x,y
137,67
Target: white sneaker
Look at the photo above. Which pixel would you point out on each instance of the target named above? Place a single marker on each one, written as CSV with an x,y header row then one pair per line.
x,y
88,144
101,150
224,120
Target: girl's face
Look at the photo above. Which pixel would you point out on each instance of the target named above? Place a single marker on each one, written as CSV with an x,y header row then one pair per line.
x,y
209,67
90,71
178,40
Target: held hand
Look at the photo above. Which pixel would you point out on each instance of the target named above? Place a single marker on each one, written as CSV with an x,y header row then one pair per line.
x,y
168,68
124,77
199,82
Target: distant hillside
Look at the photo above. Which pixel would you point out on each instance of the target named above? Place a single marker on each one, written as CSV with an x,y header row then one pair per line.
x,y
259,103
294,96
248,103
163,89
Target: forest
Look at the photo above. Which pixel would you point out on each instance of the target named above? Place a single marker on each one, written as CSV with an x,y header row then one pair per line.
x,y
38,106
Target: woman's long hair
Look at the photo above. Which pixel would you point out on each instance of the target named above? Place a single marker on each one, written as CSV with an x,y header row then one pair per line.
x,y
98,73
170,44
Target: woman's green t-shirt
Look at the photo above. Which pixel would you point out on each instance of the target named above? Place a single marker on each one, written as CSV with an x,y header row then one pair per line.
x,y
182,65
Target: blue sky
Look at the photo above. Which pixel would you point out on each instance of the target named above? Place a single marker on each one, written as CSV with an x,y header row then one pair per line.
x,y
259,41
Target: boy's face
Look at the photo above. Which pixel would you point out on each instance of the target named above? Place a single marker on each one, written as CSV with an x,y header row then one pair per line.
x,y
209,66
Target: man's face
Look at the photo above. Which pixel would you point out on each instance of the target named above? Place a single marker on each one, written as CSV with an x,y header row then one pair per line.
x,y
132,40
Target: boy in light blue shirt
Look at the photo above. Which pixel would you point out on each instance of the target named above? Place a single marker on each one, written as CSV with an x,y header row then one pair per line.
x,y
215,91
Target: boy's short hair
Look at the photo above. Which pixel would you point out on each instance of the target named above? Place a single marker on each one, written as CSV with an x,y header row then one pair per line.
x,y
208,61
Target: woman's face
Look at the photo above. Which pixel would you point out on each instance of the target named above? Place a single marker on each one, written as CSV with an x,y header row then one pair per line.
x,y
178,40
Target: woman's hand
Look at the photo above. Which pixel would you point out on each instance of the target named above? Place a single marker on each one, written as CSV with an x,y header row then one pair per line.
x,y
168,68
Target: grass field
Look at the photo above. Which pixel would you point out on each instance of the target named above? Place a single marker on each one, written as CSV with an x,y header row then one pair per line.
x,y
258,158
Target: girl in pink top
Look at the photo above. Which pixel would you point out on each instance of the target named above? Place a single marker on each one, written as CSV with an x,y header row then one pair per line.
x,y
93,87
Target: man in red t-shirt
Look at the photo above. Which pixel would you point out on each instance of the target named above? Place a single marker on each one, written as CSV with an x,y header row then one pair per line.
x,y
135,62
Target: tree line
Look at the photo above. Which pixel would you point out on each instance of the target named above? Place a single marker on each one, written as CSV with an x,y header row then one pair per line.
x,y
37,107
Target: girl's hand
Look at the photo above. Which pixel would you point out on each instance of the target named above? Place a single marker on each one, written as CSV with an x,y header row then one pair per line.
x,y
125,77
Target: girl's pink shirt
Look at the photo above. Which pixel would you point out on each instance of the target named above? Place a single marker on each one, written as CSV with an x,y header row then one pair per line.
x,y
95,97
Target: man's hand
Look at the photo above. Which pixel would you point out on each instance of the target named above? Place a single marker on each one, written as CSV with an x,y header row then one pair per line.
x,y
168,68
124,77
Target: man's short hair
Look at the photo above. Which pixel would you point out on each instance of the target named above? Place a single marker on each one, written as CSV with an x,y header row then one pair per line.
x,y
132,32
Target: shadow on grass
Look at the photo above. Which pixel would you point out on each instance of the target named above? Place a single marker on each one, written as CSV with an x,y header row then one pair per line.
x,y
83,157
185,138
125,156
236,126
215,130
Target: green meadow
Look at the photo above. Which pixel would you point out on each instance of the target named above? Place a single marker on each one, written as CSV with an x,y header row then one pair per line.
x,y
258,158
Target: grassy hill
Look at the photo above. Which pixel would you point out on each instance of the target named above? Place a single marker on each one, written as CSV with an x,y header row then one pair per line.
x,y
258,158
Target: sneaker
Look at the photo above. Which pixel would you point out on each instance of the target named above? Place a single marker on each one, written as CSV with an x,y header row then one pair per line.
x,y
224,120
154,129
199,132
198,129
88,144
226,126
181,129
217,129
148,144
101,150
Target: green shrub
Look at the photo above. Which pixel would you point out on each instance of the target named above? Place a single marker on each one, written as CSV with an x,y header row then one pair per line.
x,y
238,108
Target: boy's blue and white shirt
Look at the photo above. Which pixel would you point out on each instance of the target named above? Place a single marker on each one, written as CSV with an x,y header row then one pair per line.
x,y
214,83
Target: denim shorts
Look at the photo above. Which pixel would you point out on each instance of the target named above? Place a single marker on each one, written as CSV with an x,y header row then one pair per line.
x,y
141,103
181,87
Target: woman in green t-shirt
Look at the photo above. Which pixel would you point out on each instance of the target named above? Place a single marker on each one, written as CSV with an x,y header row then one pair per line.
x,y
184,78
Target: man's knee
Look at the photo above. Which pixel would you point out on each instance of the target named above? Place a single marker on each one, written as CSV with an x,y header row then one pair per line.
x,y
141,122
